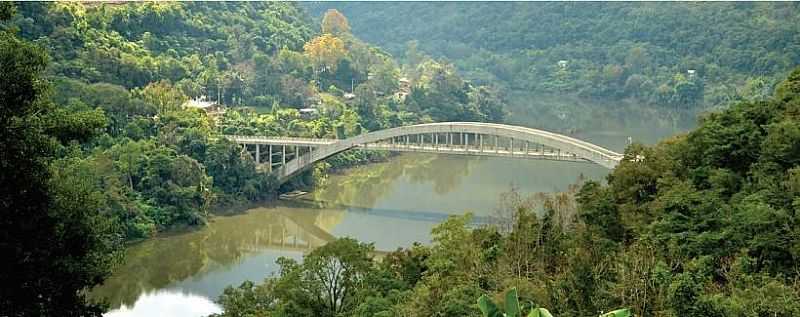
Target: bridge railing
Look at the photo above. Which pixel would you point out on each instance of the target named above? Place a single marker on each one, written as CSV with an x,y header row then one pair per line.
x,y
319,149
276,139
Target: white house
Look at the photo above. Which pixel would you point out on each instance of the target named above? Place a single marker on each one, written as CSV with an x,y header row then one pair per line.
x,y
210,107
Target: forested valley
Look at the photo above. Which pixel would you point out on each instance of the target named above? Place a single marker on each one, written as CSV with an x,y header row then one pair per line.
x,y
598,51
123,71
701,224
113,117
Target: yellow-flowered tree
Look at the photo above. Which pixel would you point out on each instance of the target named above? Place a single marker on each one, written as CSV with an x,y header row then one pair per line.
x,y
324,52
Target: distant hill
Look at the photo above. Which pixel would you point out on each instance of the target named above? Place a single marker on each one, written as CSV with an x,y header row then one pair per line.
x,y
609,50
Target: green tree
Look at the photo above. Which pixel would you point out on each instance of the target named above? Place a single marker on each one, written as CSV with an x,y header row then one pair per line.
x,y
163,96
56,242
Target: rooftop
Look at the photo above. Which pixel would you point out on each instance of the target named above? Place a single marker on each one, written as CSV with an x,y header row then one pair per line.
x,y
199,104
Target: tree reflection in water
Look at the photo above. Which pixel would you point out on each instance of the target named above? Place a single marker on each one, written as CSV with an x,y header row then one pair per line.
x,y
165,261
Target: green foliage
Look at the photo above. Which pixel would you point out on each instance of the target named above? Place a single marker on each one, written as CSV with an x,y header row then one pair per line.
x,y
672,233
331,281
513,308
722,193
127,69
618,313
57,241
121,74
702,224
612,50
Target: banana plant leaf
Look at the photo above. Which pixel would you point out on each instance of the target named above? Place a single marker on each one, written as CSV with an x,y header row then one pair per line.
x,y
512,304
488,308
618,313
540,312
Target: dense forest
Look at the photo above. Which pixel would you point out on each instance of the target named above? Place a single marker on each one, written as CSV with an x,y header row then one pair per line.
x,y
612,51
128,68
100,146
702,224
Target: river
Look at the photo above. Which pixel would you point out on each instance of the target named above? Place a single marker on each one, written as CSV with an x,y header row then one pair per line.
x,y
390,204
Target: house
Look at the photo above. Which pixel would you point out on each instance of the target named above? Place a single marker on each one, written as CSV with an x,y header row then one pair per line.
x,y
404,84
349,96
562,63
404,88
309,113
212,108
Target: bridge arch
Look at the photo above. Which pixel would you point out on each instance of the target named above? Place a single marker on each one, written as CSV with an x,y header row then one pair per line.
x,y
568,148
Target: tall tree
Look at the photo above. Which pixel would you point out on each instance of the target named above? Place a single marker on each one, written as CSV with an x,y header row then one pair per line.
x,y
54,242
335,23
325,52
163,95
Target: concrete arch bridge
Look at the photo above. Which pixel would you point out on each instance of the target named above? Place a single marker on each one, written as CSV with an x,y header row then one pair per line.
x,y
287,156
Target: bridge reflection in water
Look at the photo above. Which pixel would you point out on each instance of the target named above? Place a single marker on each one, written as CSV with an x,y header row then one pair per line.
x,y
255,239
260,235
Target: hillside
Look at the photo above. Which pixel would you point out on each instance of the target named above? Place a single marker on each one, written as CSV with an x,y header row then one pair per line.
x,y
609,50
700,224
113,119
125,71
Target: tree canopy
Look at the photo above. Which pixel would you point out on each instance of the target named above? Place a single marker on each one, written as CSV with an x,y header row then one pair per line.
x,y
57,240
701,224
657,53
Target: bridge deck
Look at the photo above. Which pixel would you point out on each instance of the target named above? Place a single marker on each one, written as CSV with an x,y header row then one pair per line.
x,y
288,141
516,142
486,151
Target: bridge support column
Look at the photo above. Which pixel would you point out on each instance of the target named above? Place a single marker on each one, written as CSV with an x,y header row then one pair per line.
x,y
258,154
480,141
270,158
466,142
496,148
527,144
283,155
436,140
